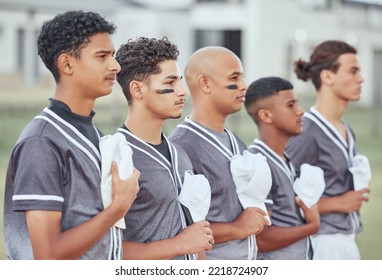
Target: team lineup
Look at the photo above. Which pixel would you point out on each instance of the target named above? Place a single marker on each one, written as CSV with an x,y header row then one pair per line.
x,y
200,192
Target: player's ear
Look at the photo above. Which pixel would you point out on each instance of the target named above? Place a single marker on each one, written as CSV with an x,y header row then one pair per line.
x,y
265,116
326,77
204,83
136,89
64,64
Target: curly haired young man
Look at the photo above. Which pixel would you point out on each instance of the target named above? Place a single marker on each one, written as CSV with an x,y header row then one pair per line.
x,y
53,207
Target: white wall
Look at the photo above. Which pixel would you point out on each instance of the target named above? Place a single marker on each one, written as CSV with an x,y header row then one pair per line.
x,y
9,23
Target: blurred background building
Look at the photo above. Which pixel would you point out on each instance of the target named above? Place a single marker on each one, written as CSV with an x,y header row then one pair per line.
x,y
268,35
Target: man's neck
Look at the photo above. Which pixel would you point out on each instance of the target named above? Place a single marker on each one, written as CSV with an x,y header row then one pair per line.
x,y
276,141
148,130
331,107
212,121
77,104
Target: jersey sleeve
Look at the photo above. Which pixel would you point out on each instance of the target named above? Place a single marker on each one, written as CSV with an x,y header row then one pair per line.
x,y
38,175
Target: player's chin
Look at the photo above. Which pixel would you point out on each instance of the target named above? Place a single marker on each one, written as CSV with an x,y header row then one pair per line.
x,y
298,130
356,97
237,108
106,90
104,93
176,115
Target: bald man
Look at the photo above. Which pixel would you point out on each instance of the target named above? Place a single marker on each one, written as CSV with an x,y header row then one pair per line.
x,y
214,76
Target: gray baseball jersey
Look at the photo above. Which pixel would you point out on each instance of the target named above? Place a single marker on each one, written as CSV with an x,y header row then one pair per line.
x,y
320,144
156,212
56,168
209,156
281,201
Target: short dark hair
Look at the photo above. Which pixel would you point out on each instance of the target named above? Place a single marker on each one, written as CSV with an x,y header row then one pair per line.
x,y
262,89
265,87
324,57
69,33
140,58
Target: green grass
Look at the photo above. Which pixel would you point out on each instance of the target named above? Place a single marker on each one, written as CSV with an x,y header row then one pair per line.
x,y
16,111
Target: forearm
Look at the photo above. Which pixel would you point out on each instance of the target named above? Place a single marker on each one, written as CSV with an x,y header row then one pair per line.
x,y
191,240
328,205
275,238
50,242
224,232
158,250
347,202
82,238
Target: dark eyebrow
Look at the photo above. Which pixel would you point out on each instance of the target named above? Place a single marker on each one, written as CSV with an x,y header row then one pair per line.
x,y
105,52
174,77
235,74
